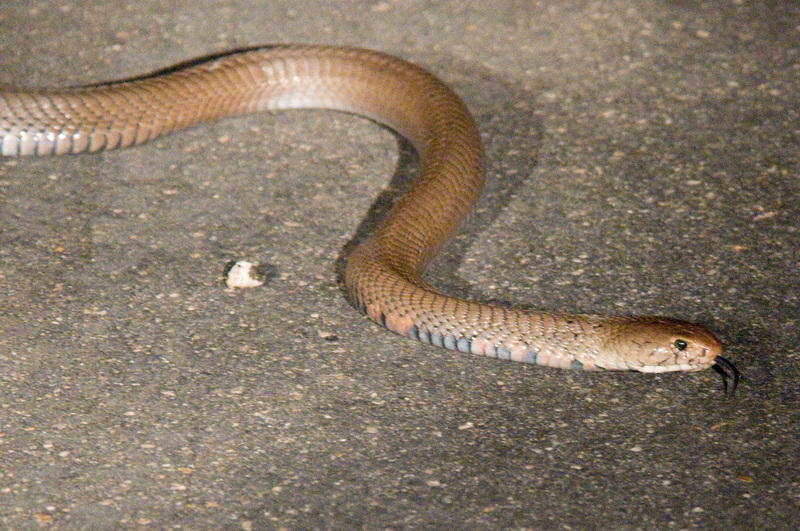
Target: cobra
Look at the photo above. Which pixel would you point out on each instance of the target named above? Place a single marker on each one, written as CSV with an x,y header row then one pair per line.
x,y
384,273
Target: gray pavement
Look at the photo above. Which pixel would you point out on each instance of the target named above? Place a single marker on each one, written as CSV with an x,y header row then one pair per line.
x,y
643,158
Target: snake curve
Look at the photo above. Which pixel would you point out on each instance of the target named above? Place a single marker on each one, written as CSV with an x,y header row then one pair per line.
x,y
384,273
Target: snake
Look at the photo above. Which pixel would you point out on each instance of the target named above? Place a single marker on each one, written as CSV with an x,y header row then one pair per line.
x,y
384,273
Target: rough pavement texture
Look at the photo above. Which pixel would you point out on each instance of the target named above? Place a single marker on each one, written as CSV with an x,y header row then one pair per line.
x,y
643,159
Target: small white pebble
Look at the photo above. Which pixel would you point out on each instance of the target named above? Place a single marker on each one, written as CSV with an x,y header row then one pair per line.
x,y
241,276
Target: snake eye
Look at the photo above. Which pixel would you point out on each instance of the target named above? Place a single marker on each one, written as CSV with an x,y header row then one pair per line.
x,y
680,344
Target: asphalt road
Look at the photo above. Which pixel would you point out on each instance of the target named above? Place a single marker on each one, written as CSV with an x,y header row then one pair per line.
x,y
643,158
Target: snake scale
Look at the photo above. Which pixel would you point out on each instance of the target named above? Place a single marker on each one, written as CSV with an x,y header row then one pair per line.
x,y
384,273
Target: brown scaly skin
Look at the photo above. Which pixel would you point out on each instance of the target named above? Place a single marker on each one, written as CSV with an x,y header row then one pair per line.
x,y
383,274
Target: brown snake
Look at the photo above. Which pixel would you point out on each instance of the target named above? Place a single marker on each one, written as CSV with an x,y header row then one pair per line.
x,y
384,273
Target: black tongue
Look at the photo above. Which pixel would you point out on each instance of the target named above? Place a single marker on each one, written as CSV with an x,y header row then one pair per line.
x,y
727,370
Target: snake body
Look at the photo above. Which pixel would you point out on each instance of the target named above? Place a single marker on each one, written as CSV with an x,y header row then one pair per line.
x,y
384,273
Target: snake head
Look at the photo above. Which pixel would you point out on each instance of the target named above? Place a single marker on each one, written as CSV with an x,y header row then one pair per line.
x,y
661,344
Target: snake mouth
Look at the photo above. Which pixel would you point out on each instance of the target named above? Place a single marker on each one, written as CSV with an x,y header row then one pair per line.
x,y
727,370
